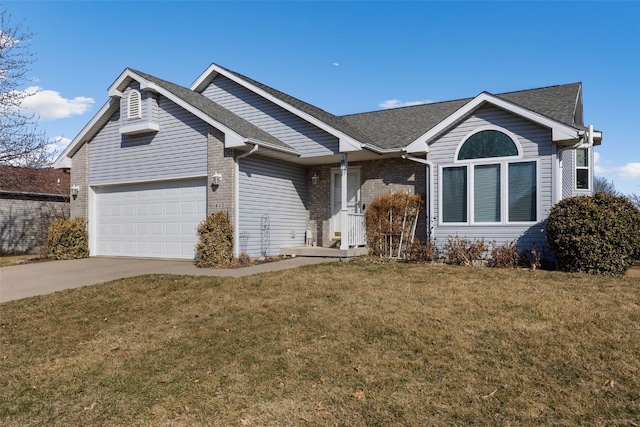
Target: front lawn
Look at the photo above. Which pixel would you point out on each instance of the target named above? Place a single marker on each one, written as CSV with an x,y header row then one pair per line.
x,y
354,344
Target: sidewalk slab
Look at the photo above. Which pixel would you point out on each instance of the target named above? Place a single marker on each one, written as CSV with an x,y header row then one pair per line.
x,y
41,278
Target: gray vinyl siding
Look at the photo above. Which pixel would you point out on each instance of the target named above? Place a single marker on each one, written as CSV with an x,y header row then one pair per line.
x,y
275,191
568,173
306,138
536,145
178,150
569,181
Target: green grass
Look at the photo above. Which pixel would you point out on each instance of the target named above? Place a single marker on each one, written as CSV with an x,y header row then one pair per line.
x,y
353,344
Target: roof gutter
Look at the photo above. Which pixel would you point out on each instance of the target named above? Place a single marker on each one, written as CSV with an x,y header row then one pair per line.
x,y
270,146
590,138
379,150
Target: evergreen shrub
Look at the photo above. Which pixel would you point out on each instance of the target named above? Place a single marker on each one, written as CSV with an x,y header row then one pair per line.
x,y
215,245
68,238
597,234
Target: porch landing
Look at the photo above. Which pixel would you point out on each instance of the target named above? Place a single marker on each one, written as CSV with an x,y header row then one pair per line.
x,y
324,252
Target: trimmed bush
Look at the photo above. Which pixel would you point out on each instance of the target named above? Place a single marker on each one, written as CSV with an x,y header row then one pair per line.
x,y
597,234
461,251
422,251
68,238
391,224
506,255
215,246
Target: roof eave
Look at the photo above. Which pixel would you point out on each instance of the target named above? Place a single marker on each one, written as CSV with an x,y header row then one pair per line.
x,y
346,142
273,147
380,150
87,132
560,131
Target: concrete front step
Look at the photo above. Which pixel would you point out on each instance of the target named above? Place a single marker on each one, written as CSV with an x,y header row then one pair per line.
x,y
312,251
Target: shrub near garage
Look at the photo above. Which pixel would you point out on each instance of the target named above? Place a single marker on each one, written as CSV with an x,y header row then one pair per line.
x,y
215,246
68,238
597,234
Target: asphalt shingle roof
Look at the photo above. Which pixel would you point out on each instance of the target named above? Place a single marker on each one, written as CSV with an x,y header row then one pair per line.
x,y
385,129
335,122
398,127
216,111
556,102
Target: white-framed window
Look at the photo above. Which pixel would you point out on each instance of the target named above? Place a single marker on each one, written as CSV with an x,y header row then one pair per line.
x,y
134,102
489,182
583,171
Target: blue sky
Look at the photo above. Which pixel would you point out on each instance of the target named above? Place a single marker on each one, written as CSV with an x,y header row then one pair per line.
x,y
348,57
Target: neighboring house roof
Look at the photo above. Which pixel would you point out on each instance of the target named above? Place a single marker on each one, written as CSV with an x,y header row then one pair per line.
x,y
46,182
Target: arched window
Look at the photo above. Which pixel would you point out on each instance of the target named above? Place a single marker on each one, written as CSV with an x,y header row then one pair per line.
x,y
134,111
487,143
490,183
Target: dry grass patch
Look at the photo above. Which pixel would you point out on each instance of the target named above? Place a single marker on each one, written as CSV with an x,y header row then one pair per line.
x,y
339,344
7,260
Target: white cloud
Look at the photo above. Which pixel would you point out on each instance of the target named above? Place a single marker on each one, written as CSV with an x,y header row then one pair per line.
x,y
597,169
396,103
628,172
50,105
336,64
57,145
626,176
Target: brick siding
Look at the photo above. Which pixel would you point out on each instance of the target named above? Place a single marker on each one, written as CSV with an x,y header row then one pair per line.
x,y
80,178
220,160
377,177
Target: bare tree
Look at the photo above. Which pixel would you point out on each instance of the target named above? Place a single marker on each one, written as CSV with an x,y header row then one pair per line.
x,y
635,199
601,183
21,143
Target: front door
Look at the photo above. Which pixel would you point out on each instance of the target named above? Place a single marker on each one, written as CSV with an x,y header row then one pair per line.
x,y
353,197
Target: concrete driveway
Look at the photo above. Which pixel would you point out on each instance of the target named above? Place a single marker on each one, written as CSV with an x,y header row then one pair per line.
x,y
27,280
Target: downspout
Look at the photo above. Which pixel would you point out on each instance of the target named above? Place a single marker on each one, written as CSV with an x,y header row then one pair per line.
x,y
428,186
236,200
585,142
559,167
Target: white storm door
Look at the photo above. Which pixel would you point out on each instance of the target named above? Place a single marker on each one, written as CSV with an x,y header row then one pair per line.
x,y
155,220
353,197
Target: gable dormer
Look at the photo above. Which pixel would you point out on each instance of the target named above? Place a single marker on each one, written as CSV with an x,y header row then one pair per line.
x,y
138,111
138,104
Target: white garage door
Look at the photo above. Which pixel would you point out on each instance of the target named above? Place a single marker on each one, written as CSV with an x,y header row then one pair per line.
x,y
157,220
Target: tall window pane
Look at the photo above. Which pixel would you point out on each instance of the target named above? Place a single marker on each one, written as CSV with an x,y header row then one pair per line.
x,y
486,188
582,157
454,194
522,192
582,169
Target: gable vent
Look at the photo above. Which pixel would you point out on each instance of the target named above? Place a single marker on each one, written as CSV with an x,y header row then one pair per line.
x,y
134,105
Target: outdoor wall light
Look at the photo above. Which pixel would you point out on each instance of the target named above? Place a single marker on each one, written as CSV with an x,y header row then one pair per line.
x,y
75,190
315,179
216,178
